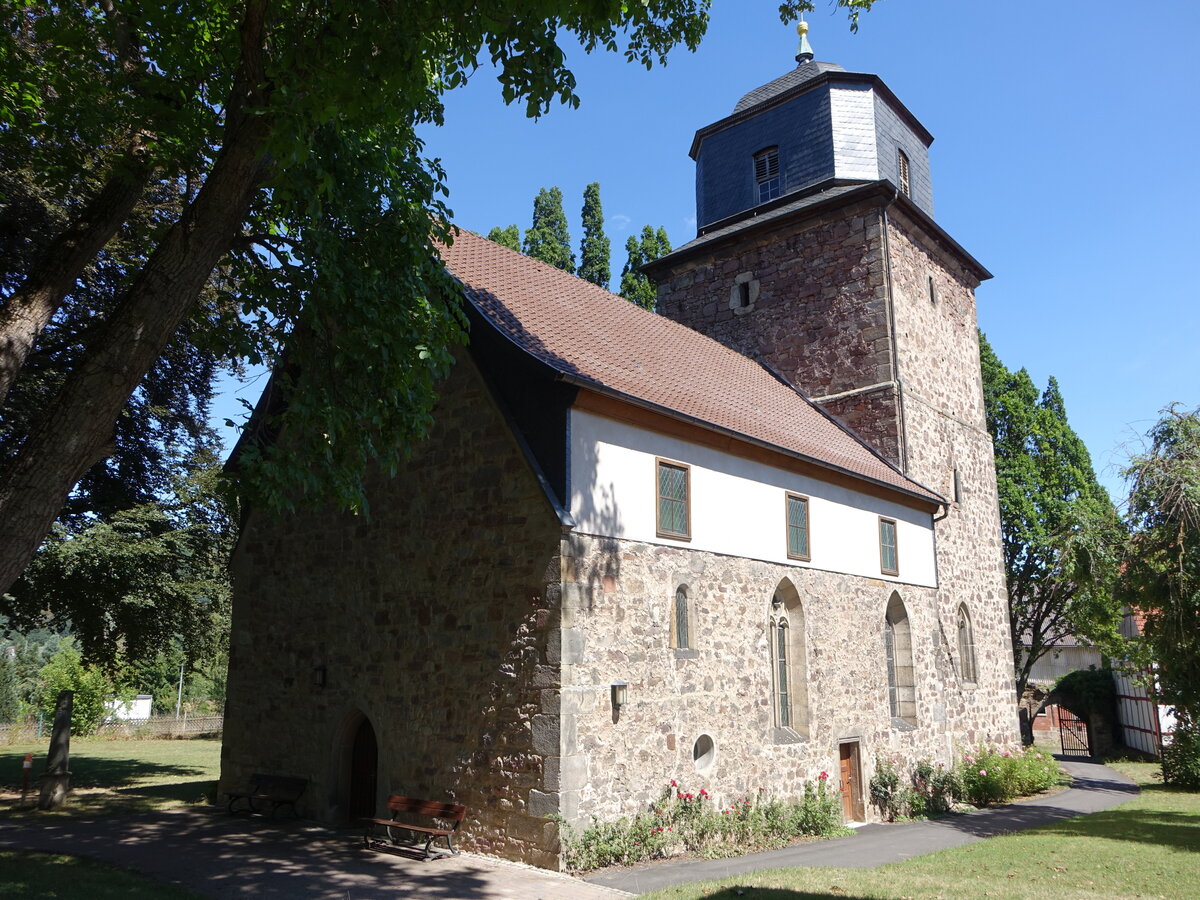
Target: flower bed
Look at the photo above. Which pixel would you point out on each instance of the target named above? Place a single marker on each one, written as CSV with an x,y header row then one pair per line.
x,y
983,776
686,822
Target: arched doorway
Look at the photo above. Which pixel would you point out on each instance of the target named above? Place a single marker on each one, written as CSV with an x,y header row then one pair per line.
x,y
364,760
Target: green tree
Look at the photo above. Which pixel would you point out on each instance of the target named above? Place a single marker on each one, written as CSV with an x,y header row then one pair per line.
x,y
10,696
509,237
132,583
293,131
635,286
66,672
594,250
1160,571
1057,523
547,238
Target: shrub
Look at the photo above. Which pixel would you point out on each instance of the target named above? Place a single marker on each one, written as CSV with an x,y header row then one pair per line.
x,y
933,791
685,822
886,793
995,775
1181,759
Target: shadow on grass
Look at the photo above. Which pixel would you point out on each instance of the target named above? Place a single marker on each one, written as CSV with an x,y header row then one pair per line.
x,y
738,892
1179,831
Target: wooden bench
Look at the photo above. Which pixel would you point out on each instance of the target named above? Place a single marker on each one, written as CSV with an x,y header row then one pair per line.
x,y
277,790
404,809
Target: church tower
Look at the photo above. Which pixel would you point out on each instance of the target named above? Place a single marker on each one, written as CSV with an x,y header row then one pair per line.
x,y
817,254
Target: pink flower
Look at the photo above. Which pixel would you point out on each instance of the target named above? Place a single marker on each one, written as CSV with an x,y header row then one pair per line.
x,y
983,771
674,783
703,792
969,758
824,776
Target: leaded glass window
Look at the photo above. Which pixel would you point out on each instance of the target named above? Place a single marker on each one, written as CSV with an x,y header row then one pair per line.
x,y
673,518
897,640
889,561
966,645
782,678
682,636
797,527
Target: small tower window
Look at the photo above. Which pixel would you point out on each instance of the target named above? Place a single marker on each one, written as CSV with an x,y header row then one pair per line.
x,y
902,165
743,298
766,174
933,295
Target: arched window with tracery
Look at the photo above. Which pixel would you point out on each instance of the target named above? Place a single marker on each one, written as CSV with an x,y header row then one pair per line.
x,y
897,639
789,663
966,646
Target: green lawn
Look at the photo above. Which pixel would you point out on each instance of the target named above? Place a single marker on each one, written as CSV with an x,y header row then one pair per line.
x,y
1148,847
117,776
42,876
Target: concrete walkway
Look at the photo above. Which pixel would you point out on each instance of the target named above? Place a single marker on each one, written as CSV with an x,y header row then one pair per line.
x,y
223,856
1094,788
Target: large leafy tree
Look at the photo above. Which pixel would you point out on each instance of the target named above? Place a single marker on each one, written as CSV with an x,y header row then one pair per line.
x,y
136,581
290,128
635,286
594,250
1160,571
548,238
1056,521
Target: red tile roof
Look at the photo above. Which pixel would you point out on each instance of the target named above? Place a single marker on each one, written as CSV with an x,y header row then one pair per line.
x,y
604,342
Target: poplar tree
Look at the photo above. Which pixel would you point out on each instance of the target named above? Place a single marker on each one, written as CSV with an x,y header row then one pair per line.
x,y
547,238
1057,523
635,286
509,237
594,250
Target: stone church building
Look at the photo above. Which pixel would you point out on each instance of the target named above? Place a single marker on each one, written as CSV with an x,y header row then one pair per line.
x,y
737,543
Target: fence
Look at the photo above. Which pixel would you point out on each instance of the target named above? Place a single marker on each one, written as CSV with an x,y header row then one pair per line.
x,y
155,726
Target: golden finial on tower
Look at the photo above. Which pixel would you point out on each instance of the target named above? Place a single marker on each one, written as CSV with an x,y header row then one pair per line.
x,y
806,52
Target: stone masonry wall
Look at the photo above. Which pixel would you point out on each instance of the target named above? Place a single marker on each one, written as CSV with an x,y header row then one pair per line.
x,y
938,366
619,625
435,618
818,312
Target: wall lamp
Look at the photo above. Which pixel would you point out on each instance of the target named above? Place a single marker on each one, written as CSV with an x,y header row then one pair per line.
x,y
620,694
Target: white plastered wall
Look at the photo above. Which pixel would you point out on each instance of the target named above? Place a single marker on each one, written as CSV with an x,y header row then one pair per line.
x,y
737,505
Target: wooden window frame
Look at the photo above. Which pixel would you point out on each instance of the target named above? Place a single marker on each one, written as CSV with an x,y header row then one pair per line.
x,y
659,462
904,168
883,520
788,497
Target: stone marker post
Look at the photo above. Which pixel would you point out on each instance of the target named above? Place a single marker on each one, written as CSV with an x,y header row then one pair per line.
x,y
57,778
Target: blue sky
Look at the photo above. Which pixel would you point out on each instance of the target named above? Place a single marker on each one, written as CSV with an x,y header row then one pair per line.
x,y
1064,160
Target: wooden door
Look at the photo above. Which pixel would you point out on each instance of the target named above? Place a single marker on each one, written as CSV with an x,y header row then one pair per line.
x,y
850,781
364,760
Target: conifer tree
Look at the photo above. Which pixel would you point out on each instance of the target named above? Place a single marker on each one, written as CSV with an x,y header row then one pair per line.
x,y
509,237
547,238
1057,523
635,286
594,249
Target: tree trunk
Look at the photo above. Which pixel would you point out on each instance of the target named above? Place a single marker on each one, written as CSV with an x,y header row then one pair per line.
x,y
75,430
32,305
72,434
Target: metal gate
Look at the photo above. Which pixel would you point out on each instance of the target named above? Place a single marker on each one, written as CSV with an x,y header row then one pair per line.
x,y
1073,732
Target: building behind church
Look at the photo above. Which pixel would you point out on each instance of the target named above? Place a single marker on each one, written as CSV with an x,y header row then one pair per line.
x,y
737,543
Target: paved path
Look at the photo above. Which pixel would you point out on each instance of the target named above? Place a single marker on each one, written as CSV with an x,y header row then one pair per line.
x,y
1094,788
224,857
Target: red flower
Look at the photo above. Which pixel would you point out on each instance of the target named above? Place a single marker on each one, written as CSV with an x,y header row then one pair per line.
x,y
824,776
674,783
703,792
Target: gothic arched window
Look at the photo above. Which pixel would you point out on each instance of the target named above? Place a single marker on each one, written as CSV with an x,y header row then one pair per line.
x,y
966,646
897,639
789,664
681,624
